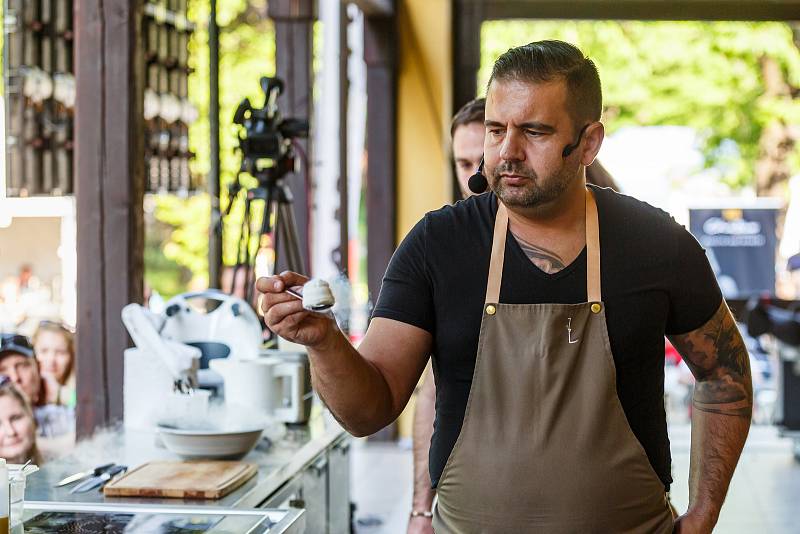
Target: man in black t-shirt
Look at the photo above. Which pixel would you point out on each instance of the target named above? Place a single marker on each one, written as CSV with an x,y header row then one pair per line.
x,y
467,133
540,309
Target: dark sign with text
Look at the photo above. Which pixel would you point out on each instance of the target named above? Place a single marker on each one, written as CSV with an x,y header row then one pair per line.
x,y
740,244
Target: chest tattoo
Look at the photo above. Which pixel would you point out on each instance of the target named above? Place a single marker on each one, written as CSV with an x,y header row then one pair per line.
x,y
544,259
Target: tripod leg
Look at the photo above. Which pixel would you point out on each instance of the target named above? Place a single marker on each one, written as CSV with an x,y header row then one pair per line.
x,y
288,226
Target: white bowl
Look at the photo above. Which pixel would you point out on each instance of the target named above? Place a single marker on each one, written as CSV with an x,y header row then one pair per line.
x,y
214,444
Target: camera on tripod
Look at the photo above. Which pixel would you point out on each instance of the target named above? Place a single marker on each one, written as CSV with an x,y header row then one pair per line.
x,y
266,135
266,142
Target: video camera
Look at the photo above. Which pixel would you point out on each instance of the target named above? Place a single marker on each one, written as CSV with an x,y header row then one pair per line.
x,y
266,135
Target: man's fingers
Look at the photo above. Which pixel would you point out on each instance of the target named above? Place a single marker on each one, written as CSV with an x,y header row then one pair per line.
x,y
278,312
278,283
270,284
293,279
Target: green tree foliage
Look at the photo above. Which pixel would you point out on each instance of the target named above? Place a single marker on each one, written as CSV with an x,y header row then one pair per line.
x,y
708,76
247,52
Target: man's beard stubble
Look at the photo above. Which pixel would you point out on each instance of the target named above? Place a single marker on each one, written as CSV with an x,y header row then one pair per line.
x,y
535,193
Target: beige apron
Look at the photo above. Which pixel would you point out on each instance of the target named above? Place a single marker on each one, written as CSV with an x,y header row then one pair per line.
x,y
545,445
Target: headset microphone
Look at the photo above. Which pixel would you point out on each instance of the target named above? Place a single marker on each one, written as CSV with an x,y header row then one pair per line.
x,y
477,182
569,148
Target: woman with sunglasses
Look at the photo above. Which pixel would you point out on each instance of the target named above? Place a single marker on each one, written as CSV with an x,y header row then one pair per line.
x,y
17,425
54,347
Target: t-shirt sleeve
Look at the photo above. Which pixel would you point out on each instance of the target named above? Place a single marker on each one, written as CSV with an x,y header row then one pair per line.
x,y
694,292
406,292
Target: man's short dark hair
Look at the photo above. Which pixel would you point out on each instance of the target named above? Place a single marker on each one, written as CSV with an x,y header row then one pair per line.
x,y
472,111
544,61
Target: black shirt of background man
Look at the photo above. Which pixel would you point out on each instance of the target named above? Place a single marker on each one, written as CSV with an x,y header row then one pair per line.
x,y
655,280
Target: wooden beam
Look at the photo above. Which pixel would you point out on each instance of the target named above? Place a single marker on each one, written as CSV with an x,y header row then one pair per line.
x,y
374,8
109,174
294,22
641,9
343,259
215,226
380,38
467,19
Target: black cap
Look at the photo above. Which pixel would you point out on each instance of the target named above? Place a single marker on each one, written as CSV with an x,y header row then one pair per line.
x,y
15,344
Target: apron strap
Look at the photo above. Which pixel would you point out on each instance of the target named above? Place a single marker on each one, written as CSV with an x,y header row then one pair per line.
x,y
498,254
592,252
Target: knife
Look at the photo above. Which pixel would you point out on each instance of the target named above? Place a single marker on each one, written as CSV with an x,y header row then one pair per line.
x,y
83,474
98,481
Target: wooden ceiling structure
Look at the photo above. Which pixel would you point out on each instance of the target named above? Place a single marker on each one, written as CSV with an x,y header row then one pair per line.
x,y
468,15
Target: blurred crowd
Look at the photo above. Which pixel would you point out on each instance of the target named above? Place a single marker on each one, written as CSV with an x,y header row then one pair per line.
x,y
37,394
25,299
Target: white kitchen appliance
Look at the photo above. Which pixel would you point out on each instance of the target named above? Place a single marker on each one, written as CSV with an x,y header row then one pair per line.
x,y
218,324
270,385
153,369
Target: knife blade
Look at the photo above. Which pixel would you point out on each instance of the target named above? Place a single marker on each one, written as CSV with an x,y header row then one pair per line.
x,y
98,481
83,474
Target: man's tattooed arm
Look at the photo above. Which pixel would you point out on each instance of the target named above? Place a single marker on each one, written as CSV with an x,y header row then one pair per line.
x,y
723,403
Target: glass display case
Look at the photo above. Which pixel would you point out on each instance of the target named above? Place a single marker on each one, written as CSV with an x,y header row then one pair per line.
x,y
109,518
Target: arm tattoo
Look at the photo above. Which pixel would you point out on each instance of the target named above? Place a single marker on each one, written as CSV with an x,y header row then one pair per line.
x,y
544,259
717,357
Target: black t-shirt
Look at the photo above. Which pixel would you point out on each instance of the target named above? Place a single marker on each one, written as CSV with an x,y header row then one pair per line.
x,y
655,280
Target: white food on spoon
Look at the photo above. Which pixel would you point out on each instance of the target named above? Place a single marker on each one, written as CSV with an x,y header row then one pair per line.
x,y
316,296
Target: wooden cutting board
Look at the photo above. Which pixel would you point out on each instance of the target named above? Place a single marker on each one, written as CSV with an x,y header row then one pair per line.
x,y
182,480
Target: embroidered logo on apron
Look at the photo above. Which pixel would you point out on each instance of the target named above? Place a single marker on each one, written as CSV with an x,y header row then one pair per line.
x,y
569,332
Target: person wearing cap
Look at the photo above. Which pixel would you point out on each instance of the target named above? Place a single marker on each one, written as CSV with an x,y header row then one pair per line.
x,y
544,303
18,363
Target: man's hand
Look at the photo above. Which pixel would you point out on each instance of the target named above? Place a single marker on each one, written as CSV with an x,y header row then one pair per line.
x,y
365,389
49,390
420,525
693,523
285,315
424,415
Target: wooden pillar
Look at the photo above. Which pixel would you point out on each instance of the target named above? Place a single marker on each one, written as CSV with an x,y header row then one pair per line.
x,y
380,55
343,259
467,19
215,225
294,24
109,176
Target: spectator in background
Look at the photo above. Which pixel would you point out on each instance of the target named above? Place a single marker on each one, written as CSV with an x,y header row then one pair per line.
x,y
467,131
55,423
17,363
17,425
54,348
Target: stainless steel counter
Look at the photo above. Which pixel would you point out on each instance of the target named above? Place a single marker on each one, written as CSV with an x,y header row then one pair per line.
x,y
277,464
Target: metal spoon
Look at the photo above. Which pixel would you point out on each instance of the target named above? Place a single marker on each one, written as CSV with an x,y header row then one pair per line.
x,y
20,473
317,308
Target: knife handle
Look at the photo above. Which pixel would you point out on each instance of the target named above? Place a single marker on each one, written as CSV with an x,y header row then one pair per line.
x,y
117,469
102,469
